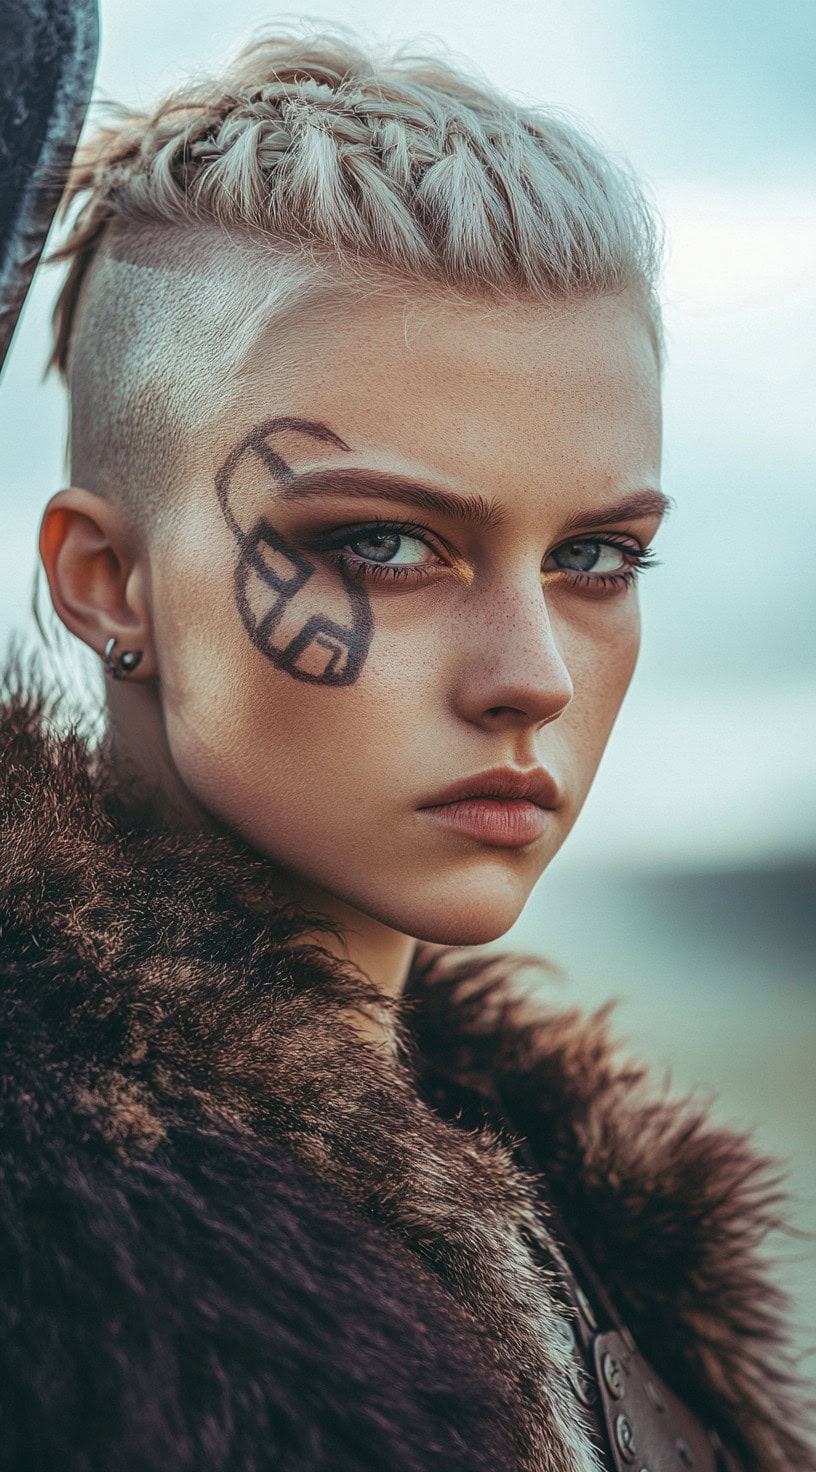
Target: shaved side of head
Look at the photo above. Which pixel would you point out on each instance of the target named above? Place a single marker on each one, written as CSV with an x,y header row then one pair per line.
x,y
311,171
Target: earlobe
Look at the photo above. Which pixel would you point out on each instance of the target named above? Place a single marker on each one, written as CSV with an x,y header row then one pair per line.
x,y
92,560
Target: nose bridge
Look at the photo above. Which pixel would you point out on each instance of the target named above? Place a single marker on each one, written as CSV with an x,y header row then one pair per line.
x,y
513,661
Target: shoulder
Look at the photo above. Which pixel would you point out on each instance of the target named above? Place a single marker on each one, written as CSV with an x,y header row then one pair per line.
x,y
192,1297
178,1289
674,1211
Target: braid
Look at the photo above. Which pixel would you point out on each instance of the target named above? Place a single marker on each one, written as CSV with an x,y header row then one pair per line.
x,y
407,165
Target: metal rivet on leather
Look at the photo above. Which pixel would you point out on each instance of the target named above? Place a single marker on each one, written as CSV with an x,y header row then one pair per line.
x,y
613,1375
583,1386
586,1310
654,1396
637,1432
625,1438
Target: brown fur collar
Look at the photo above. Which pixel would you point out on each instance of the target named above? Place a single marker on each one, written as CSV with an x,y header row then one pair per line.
x,y
173,992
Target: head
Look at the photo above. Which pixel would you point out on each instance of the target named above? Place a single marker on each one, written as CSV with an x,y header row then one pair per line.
x,y
364,366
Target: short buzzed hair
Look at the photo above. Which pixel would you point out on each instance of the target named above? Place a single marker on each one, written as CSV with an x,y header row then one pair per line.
x,y
318,166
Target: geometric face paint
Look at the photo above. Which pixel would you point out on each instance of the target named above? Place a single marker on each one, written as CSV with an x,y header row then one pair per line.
x,y
282,596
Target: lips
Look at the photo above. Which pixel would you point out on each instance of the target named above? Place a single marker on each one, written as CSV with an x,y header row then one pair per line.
x,y
503,784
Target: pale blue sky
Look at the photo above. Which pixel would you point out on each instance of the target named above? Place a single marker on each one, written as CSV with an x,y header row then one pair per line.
x,y
718,116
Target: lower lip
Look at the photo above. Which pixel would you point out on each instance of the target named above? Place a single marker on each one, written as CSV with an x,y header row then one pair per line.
x,y
507,824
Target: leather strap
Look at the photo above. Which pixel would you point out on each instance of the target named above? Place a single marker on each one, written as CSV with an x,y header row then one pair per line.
x,y
638,1423
648,1428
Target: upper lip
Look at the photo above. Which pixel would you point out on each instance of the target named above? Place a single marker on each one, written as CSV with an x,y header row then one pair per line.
x,y
533,783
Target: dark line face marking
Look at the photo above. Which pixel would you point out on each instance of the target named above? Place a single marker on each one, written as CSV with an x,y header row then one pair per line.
x,y
320,649
291,629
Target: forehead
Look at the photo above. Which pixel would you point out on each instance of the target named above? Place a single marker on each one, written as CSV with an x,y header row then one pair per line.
x,y
512,394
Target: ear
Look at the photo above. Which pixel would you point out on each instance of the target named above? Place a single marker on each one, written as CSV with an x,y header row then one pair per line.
x,y
97,574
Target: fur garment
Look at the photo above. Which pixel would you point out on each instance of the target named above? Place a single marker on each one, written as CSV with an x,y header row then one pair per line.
x,y
235,1235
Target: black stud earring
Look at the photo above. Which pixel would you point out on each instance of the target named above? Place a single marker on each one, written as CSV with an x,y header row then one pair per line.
x,y
119,666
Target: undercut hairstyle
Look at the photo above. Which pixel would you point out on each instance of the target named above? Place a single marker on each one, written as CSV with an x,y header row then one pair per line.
x,y
311,171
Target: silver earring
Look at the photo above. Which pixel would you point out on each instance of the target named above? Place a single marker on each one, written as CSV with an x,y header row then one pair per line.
x,y
119,666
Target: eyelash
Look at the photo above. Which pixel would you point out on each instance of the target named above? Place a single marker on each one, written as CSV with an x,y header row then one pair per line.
x,y
640,558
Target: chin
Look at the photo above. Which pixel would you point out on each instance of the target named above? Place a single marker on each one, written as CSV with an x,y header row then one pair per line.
x,y
460,916
462,930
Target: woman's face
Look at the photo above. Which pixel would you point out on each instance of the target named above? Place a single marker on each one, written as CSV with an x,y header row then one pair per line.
x,y
405,556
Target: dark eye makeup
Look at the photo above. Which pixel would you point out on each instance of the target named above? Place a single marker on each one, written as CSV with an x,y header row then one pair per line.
x,y
595,564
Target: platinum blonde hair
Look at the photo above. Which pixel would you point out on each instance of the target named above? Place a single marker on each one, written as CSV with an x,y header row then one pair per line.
x,y
322,168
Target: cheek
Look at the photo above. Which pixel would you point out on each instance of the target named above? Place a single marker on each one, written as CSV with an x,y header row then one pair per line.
x,y
601,655
613,658
261,748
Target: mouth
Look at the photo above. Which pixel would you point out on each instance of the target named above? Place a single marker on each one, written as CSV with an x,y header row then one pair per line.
x,y
507,807
503,824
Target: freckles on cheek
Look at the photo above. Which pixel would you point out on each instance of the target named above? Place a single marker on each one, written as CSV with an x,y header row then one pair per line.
x,y
601,677
614,672
627,644
616,655
601,663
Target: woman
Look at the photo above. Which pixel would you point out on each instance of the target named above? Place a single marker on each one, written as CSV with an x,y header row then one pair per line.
x,y
364,368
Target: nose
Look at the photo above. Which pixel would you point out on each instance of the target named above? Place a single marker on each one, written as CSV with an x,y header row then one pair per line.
x,y
513,673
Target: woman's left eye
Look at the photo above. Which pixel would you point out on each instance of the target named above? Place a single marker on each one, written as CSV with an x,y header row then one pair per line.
x,y
598,566
590,557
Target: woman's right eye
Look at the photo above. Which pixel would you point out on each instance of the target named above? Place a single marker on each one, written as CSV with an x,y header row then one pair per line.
x,y
388,548
383,551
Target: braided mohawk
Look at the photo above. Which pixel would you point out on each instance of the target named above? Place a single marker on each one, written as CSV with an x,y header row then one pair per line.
x,y
347,166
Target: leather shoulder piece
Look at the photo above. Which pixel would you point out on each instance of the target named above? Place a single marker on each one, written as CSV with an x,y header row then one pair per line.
x,y
640,1424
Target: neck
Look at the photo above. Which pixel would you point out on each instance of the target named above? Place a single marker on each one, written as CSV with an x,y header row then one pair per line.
x,y
142,763
380,953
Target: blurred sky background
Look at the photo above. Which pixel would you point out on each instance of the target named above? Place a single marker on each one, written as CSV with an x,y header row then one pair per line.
x,y
686,888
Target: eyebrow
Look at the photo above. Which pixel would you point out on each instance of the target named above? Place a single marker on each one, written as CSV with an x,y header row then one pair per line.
x,y
361,484
631,508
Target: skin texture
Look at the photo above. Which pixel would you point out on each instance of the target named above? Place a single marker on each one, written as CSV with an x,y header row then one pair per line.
x,y
489,652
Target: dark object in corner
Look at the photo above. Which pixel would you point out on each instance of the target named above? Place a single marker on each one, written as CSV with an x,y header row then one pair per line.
x,y
48,50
